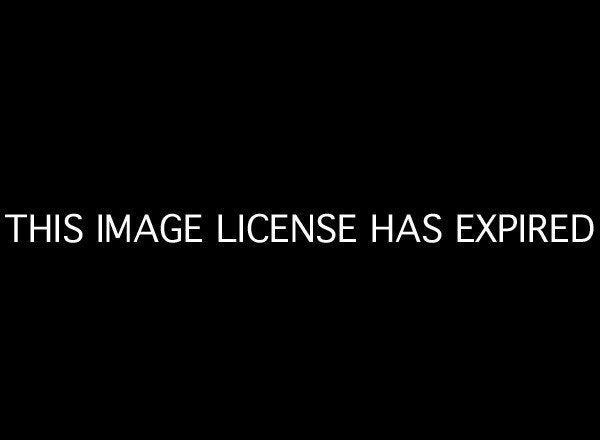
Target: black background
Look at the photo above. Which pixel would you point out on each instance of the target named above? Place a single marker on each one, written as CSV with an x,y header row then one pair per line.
x,y
386,112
